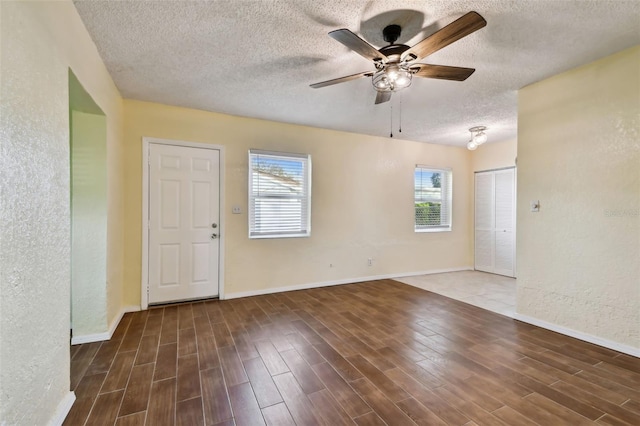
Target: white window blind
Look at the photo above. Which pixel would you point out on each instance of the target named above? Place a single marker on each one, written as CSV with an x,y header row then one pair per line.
x,y
279,194
433,199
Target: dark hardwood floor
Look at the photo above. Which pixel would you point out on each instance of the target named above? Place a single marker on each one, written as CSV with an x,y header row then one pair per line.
x,y
373,353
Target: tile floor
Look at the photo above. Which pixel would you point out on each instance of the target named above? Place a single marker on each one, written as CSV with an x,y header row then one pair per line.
x,y
488,291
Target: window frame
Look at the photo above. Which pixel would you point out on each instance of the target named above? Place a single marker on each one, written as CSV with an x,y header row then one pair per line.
x,y
446,199
305,231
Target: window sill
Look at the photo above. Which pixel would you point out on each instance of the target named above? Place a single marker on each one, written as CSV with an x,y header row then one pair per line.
x,y
262,237
448,229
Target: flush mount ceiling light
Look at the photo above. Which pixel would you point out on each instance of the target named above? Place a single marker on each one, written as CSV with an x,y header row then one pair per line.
x,y
478,137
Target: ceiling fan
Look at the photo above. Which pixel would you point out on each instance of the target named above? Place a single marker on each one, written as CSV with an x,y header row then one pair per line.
x,y
394,64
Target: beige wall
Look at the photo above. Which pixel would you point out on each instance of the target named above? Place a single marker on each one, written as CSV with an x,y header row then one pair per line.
x,y
578,153
494,155
362,201
40,41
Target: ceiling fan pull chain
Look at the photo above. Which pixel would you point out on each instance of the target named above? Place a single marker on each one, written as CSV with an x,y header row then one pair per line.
x,y
400,125
391,121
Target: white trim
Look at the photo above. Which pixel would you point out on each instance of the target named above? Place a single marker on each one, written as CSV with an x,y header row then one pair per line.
x,y
339,282
100,337
63,409
630,350
495,170
146,141
144,270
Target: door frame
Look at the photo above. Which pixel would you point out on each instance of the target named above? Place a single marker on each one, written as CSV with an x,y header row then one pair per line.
x,y
146,142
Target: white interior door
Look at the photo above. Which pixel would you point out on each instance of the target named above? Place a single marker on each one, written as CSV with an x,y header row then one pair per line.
x,y
184,211
495,221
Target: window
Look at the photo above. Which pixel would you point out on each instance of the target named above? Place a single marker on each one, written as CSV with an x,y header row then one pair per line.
x,y
279,194
433,195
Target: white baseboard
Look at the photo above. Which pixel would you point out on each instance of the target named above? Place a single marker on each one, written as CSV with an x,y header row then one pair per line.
x,y
630,350
433,271
337,282
63,409
100,337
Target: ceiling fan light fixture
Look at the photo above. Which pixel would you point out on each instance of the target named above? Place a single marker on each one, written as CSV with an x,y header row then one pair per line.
x,y
381,82
392,78
403,80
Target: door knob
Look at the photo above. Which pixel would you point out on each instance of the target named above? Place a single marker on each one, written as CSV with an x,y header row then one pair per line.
x,y
214,225
214,236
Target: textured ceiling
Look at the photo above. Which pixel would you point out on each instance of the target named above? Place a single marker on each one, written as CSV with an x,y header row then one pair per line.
x,y
257,58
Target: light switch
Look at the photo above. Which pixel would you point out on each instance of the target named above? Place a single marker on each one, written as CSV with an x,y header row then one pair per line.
x,y
535,206
236,210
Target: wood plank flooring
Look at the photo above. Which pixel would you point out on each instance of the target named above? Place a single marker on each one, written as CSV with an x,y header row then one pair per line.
x,y
372,353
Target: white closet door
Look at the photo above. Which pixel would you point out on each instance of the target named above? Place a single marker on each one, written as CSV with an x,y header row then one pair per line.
x,y
484,229
495,222
504,190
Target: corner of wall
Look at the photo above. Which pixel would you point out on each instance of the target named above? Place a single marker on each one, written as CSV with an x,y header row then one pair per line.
x,y
578,155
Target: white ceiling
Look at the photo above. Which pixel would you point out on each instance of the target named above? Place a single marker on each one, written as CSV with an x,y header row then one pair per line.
x,y
257,58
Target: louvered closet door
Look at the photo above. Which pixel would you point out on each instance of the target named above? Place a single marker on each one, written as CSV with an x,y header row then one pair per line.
x,y
504,195
495,222
484,229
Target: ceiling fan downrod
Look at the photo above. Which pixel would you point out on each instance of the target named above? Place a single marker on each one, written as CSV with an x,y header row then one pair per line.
x,y
391,33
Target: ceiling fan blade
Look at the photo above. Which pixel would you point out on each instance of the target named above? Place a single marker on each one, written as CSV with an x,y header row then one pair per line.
x,y
442,72
382,97
357,44
459,28
341,79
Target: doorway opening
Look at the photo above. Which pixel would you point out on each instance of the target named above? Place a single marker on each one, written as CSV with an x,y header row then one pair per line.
x,y
88,190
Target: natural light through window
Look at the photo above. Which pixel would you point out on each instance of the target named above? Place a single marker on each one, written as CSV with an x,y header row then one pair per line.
x,y
279,194
432,199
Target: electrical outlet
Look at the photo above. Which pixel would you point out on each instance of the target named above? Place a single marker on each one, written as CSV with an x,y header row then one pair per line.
x,y
236,210
370,262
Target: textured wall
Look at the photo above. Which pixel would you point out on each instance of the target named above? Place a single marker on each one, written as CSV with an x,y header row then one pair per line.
x,y
40,41
362,201
34,211
579,154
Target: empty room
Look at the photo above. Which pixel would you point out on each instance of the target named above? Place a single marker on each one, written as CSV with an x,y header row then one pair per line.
x,y
309,212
